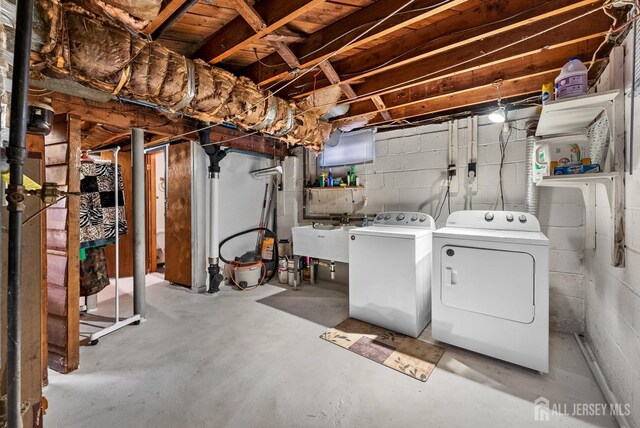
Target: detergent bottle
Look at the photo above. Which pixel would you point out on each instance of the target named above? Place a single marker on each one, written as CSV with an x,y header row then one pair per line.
x,y
572,80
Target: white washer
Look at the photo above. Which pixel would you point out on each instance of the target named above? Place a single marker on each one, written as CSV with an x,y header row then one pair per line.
x,y
491,286
390,272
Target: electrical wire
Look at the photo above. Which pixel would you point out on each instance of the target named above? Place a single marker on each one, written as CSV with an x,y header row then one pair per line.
x,y
306,71
503,143
460,32
420,78
614,26
447,196
34,215
376,22
395,86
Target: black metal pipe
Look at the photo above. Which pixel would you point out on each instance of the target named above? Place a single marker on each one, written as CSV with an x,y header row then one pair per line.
x,y
173,18
15,196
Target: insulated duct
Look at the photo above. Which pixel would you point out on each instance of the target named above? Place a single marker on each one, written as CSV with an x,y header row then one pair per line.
x,y
532,193
100,54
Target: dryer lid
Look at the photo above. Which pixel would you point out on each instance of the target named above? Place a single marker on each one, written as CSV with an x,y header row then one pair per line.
x,y
505,236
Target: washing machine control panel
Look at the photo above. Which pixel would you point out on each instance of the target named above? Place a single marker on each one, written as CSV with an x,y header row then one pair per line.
x,y
496,220
405,219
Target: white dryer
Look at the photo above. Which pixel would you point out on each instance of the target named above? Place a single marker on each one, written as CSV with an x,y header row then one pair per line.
x,y
390,272
491,286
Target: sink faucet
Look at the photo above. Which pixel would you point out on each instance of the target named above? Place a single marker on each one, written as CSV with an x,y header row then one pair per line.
x,y
344,220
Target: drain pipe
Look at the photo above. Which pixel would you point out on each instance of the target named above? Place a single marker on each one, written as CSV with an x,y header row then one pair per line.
x,y
216,154
139,258
16,154
532,193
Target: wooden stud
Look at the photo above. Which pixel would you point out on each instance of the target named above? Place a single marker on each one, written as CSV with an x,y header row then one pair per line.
x,y
239,34
459,82
314,50
164,14
446,35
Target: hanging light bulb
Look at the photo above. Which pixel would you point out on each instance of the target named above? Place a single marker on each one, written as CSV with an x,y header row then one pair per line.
x,y
499,115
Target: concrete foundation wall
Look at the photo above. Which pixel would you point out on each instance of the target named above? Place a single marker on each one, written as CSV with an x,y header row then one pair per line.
x,y
409,174
612,310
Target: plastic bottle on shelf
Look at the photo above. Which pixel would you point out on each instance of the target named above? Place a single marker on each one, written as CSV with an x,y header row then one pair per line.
x,y
572,80
330,178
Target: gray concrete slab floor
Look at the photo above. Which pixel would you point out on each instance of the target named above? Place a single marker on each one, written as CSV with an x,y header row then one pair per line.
x,y
255,359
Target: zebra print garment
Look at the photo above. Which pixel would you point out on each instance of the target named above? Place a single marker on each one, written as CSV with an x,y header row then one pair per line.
x,y
97,204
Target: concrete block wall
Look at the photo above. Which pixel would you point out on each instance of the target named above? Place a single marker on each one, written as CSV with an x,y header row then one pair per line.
x,y
409,174
612,310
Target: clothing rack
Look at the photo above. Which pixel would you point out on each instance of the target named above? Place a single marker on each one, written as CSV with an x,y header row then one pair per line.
x,y
135,319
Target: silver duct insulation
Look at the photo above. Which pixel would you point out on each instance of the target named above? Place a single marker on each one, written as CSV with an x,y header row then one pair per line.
x,y
532,193
97,53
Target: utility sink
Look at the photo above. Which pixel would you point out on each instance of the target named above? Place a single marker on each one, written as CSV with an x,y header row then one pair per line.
x,y
322,242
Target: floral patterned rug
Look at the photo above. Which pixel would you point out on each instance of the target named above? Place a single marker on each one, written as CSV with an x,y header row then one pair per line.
x,y
413,357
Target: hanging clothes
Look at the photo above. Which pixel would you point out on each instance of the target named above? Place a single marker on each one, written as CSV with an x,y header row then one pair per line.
x,y
97,204
105,175
93,271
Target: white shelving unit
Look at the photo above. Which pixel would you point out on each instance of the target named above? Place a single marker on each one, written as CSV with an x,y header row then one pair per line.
x,y
587,184
573,116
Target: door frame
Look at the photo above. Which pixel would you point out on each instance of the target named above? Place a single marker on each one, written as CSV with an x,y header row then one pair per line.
x,y
151,212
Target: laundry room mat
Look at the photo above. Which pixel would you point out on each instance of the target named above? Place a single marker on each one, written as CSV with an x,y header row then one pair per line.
x,y
413,357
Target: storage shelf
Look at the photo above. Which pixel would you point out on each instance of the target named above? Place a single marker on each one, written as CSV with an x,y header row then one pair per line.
x,y
574,115
587,184
576,180
334,188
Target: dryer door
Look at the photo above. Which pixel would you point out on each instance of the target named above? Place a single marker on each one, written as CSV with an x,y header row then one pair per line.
x,y
491,282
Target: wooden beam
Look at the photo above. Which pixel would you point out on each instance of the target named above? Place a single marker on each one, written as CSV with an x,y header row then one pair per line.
x,y
164,14
255,20
520,86
238,34
127,116
285,35
381,107
447,35
333,77
119,115
470,57
459,82
337,35
510,88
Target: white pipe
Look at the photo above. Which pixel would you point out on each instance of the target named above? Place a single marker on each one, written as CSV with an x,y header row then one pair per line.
x,y
117,229
602,381
214,232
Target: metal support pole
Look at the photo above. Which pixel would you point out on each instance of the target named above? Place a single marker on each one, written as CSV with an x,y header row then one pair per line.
x,y
137,160
15,196
116,180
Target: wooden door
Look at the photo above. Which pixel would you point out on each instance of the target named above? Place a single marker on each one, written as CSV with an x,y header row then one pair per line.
x,y
150,209
178,256
62,160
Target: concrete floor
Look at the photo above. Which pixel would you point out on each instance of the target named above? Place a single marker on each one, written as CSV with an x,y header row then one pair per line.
x,y
254,359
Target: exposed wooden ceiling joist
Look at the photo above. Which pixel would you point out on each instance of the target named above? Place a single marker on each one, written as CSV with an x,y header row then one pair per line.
x,y
510,88
239,34
255,20
531,66
322,43
164,14
448,35
444,65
